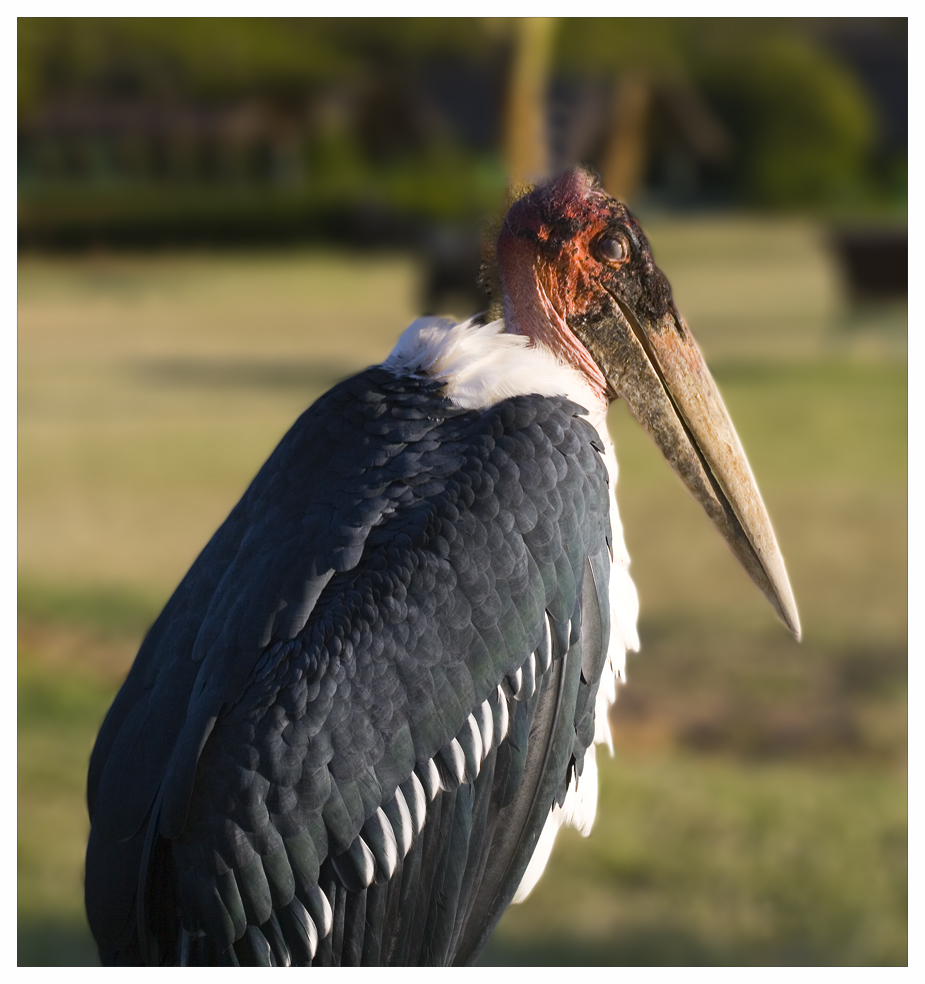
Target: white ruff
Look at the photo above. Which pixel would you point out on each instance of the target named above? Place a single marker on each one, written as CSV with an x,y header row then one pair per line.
x,y
479,366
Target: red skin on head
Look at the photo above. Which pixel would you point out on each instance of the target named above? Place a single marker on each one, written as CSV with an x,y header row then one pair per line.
x,y
548,271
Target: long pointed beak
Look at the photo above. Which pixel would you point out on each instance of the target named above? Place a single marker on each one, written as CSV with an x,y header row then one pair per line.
x,y
661,374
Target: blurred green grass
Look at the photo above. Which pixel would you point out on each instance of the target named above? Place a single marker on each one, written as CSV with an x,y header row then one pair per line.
x,y
755,811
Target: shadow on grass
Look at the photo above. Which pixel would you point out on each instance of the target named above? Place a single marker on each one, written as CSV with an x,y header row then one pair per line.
x,y
666,948
662,946
246,373
50,942
109,610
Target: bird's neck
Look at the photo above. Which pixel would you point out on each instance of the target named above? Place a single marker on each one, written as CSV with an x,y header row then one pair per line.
x,y
529,309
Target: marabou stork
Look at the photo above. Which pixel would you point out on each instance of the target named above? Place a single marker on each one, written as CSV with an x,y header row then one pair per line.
x,y
354,730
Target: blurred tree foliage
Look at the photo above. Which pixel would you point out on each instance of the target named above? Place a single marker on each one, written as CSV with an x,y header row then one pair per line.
x,y
803,126
278,123
405,115
282,59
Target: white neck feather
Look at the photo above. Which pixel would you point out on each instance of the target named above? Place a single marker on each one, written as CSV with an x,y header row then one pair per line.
x,y
481,364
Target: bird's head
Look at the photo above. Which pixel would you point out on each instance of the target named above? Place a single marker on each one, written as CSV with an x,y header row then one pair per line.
x,y
577,276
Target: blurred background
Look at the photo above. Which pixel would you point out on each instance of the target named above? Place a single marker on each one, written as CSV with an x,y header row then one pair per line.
x,y
218,219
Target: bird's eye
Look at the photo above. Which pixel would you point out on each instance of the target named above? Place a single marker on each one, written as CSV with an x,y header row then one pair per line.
x,y
612,249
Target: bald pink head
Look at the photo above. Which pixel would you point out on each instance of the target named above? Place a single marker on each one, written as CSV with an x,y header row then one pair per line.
x,y
560,250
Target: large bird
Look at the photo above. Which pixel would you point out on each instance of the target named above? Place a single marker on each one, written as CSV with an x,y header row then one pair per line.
x,y
351,735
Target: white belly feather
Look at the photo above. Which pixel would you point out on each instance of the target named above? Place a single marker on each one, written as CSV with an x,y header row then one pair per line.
x,y
481,365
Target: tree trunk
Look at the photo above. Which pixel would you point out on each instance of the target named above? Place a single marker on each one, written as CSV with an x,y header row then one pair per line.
x,y
625,154
526,153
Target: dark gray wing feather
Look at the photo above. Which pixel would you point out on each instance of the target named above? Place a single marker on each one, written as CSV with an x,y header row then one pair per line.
x,y
342,737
